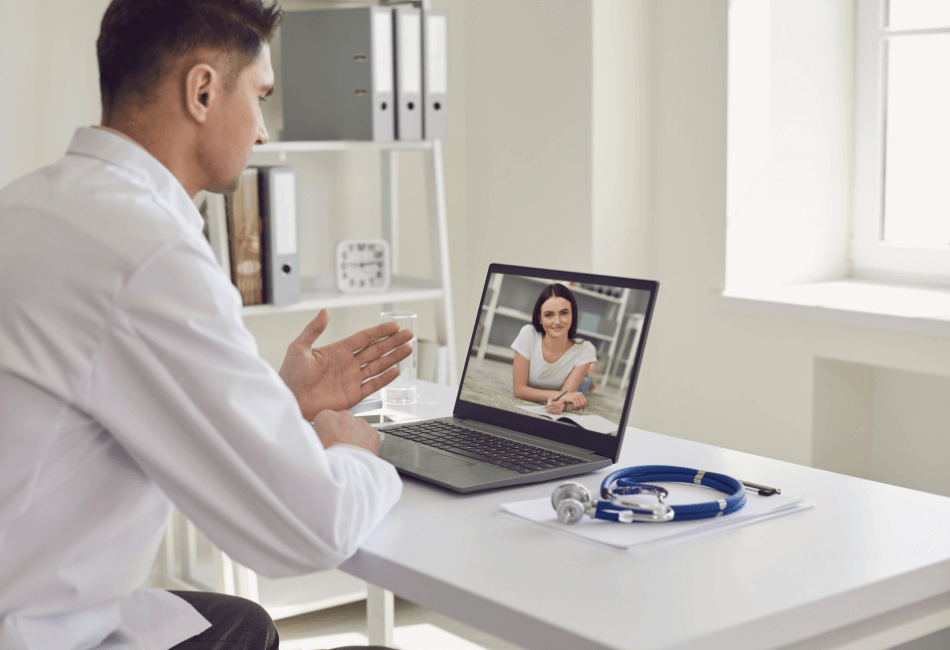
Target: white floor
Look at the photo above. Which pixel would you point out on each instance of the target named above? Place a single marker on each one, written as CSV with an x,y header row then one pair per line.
x,y
417,628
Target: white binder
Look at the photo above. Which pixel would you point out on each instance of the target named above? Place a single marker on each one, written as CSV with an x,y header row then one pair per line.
x,y
435,74
408,31
337,70
280,257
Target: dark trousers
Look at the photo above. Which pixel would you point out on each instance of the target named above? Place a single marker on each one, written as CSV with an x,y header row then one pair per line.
x,y
236,624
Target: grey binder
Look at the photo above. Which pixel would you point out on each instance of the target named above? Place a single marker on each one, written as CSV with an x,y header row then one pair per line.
x,y
337,74
408,30
435,75
280,256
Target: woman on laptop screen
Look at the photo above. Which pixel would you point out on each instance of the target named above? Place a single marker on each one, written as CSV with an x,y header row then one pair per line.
x,y
550,365
530,349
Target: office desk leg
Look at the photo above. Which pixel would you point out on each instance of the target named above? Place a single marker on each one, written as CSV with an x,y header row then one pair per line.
x,y
380,615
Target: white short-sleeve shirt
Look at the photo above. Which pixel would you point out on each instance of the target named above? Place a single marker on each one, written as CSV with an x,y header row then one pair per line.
x,y
550,376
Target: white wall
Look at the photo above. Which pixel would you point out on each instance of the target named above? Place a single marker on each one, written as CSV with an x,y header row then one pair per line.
x,y
528,128
791,106
49,81
623,141
884,424
713,374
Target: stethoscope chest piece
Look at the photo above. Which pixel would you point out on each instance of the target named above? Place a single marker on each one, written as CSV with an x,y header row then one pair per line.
x,y
570,500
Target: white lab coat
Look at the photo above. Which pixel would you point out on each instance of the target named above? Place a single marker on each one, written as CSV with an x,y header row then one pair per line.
x,y
128,382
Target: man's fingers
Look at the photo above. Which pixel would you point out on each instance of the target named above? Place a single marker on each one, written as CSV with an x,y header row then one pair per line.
x,y
384,346
366,337
378,365
372,385
314,329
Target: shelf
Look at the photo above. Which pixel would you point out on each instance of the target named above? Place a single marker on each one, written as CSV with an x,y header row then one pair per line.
x,y
595,335
312,592
511,313
520,315
293,146
580,290
320,292
499,351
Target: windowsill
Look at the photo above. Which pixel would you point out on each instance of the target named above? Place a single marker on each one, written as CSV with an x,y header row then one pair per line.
x,y
918,309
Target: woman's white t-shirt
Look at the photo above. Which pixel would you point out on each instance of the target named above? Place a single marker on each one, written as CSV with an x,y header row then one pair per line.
x,y
550,376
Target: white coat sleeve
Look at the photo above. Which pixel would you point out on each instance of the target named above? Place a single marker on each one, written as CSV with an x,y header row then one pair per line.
x,y
180,385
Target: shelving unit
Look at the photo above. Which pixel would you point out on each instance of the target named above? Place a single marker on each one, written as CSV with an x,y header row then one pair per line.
x,y
319,292
191,562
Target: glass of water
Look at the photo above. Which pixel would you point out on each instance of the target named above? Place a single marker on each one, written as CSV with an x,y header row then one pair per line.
x,y
403,389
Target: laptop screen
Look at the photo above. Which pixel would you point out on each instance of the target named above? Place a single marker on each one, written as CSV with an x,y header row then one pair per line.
x,y
556,354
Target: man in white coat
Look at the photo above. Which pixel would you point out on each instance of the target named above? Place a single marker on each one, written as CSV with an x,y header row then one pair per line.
x,y
128,382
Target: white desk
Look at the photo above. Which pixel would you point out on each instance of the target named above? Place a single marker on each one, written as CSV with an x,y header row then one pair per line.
x,y
869,567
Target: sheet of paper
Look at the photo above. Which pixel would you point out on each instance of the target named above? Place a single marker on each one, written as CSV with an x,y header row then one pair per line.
x,y
641,537
590,422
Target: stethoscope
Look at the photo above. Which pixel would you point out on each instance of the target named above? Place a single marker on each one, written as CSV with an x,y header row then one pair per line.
x,y
619,490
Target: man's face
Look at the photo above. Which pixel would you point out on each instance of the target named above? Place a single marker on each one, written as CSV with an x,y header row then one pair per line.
x,y
235,125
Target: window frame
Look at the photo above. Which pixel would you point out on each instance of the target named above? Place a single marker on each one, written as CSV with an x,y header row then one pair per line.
x,y
871,257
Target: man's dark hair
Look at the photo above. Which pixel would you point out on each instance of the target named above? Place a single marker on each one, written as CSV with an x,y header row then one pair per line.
x,y
555,291
139,38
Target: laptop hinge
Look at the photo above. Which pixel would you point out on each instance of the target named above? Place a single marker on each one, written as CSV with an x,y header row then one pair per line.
x,y
529,439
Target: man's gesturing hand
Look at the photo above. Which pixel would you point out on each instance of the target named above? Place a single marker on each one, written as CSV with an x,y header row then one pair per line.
x,y
337,377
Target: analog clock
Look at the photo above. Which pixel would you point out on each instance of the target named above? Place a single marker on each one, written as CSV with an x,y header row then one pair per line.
x,y
362,265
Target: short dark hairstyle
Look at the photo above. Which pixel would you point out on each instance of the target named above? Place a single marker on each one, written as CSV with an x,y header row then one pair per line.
x,y
139,38
555,291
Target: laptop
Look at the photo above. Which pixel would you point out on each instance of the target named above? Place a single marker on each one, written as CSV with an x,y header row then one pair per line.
x,y
497,438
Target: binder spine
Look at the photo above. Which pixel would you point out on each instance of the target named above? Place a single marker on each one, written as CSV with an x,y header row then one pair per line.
x,y
244,223
280,257
381,60
435,74
408,40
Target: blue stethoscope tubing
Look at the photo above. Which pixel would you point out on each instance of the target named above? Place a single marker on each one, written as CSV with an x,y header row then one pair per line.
x,y
632,480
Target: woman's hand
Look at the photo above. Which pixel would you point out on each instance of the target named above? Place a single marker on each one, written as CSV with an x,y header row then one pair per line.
x,y
555,408
576,400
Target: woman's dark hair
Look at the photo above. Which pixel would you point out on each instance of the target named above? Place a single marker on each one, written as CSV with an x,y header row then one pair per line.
x,y
138,38
555,291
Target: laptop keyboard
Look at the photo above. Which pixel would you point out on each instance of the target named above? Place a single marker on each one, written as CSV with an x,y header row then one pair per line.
x,y
494,450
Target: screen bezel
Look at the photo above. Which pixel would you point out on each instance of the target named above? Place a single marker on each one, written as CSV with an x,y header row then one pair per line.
x,y
602,444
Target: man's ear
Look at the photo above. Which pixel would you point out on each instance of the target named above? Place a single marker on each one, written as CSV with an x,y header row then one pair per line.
x,y
200,91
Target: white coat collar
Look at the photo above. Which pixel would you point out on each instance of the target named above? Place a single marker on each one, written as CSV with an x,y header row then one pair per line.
x,y
116,149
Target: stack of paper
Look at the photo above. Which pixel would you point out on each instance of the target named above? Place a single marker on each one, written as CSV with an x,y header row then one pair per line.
x,y
591,422
648,536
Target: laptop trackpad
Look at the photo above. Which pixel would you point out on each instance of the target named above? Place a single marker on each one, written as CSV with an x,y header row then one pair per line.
x,y
429,461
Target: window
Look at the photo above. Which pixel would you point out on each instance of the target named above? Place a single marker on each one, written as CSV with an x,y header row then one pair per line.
x,y
902,147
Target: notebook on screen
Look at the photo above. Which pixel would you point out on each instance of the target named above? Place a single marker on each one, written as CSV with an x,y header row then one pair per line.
x,y
575,339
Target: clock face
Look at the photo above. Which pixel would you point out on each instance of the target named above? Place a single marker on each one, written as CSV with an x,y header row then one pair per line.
x,y
362,265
